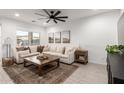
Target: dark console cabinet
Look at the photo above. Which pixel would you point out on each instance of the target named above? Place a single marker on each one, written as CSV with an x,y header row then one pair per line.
x,y
115,68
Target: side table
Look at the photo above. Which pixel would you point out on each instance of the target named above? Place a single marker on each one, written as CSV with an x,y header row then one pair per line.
x,y
81,56
7,61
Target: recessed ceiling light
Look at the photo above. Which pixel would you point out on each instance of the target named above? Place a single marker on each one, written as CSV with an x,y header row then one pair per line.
x,y
17,14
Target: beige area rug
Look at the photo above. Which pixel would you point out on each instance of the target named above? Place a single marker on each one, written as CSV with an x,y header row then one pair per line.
x,y
28,75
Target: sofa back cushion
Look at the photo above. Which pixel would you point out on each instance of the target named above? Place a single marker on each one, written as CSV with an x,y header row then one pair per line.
x,y
52,49
60,49
46,48
21,48
33,49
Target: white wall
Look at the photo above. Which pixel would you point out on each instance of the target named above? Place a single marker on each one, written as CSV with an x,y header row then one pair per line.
x,y
93,33
121,30
9,28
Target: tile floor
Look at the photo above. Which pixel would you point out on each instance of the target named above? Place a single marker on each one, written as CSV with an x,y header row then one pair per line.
x,y
85,74
88,74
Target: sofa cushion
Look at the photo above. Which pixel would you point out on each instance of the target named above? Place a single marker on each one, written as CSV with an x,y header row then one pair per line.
x,y
33,49
68,50
56,54
64,56
30,54
52,48
51,53
19,48
60,49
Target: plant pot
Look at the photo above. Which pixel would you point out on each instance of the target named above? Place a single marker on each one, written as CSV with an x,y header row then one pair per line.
x,y
116,62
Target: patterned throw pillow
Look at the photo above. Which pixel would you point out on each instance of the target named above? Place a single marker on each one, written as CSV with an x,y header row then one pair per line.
x,y
40,49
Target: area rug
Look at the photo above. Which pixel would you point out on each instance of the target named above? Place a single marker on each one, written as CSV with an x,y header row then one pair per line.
x,y
28,75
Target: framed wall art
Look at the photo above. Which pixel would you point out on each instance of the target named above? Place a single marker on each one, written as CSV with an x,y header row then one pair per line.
x,y
57,37
65,36
51,37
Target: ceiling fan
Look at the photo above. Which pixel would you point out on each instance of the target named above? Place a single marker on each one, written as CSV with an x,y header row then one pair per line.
x,y
52,15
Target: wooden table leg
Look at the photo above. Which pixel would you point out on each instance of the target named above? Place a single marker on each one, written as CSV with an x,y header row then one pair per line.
x,y
58,63
40,70
25,63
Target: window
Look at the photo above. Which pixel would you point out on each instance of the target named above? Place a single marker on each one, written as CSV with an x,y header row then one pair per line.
x,y
27,38
22,38
36,39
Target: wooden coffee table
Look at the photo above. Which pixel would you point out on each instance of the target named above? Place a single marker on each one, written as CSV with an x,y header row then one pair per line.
x,y
41,63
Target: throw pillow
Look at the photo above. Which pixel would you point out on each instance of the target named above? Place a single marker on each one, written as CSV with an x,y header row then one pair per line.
x,y
68,50
20,48
60,50
39,49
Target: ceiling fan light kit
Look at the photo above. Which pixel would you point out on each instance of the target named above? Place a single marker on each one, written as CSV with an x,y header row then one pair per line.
x,y
52,16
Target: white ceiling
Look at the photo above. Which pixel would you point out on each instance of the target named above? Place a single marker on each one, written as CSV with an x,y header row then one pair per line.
x,y
27,15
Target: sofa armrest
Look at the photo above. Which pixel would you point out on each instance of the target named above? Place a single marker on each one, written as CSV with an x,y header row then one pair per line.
x,y
71,56
18,54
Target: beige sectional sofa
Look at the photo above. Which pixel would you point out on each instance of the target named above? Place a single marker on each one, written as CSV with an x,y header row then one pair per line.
x,y
66,53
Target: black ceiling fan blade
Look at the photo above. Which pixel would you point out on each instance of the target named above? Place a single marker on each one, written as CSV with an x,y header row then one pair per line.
x,y
55,21
46,12
42,18
62,17
57,13
48,20
40,14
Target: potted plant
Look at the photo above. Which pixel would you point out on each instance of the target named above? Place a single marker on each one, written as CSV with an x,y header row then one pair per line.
x,y
115,49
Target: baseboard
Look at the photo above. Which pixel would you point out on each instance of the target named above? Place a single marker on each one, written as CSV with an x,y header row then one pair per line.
x,y
96,62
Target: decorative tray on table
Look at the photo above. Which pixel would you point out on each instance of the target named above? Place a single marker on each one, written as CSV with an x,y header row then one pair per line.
x,y
42,57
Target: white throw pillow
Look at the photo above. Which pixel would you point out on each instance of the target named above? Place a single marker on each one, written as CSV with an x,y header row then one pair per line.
x,y
53,48
68,50
60,50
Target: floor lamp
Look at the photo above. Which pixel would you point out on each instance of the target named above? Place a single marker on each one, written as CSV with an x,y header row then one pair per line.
x,y
7,45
